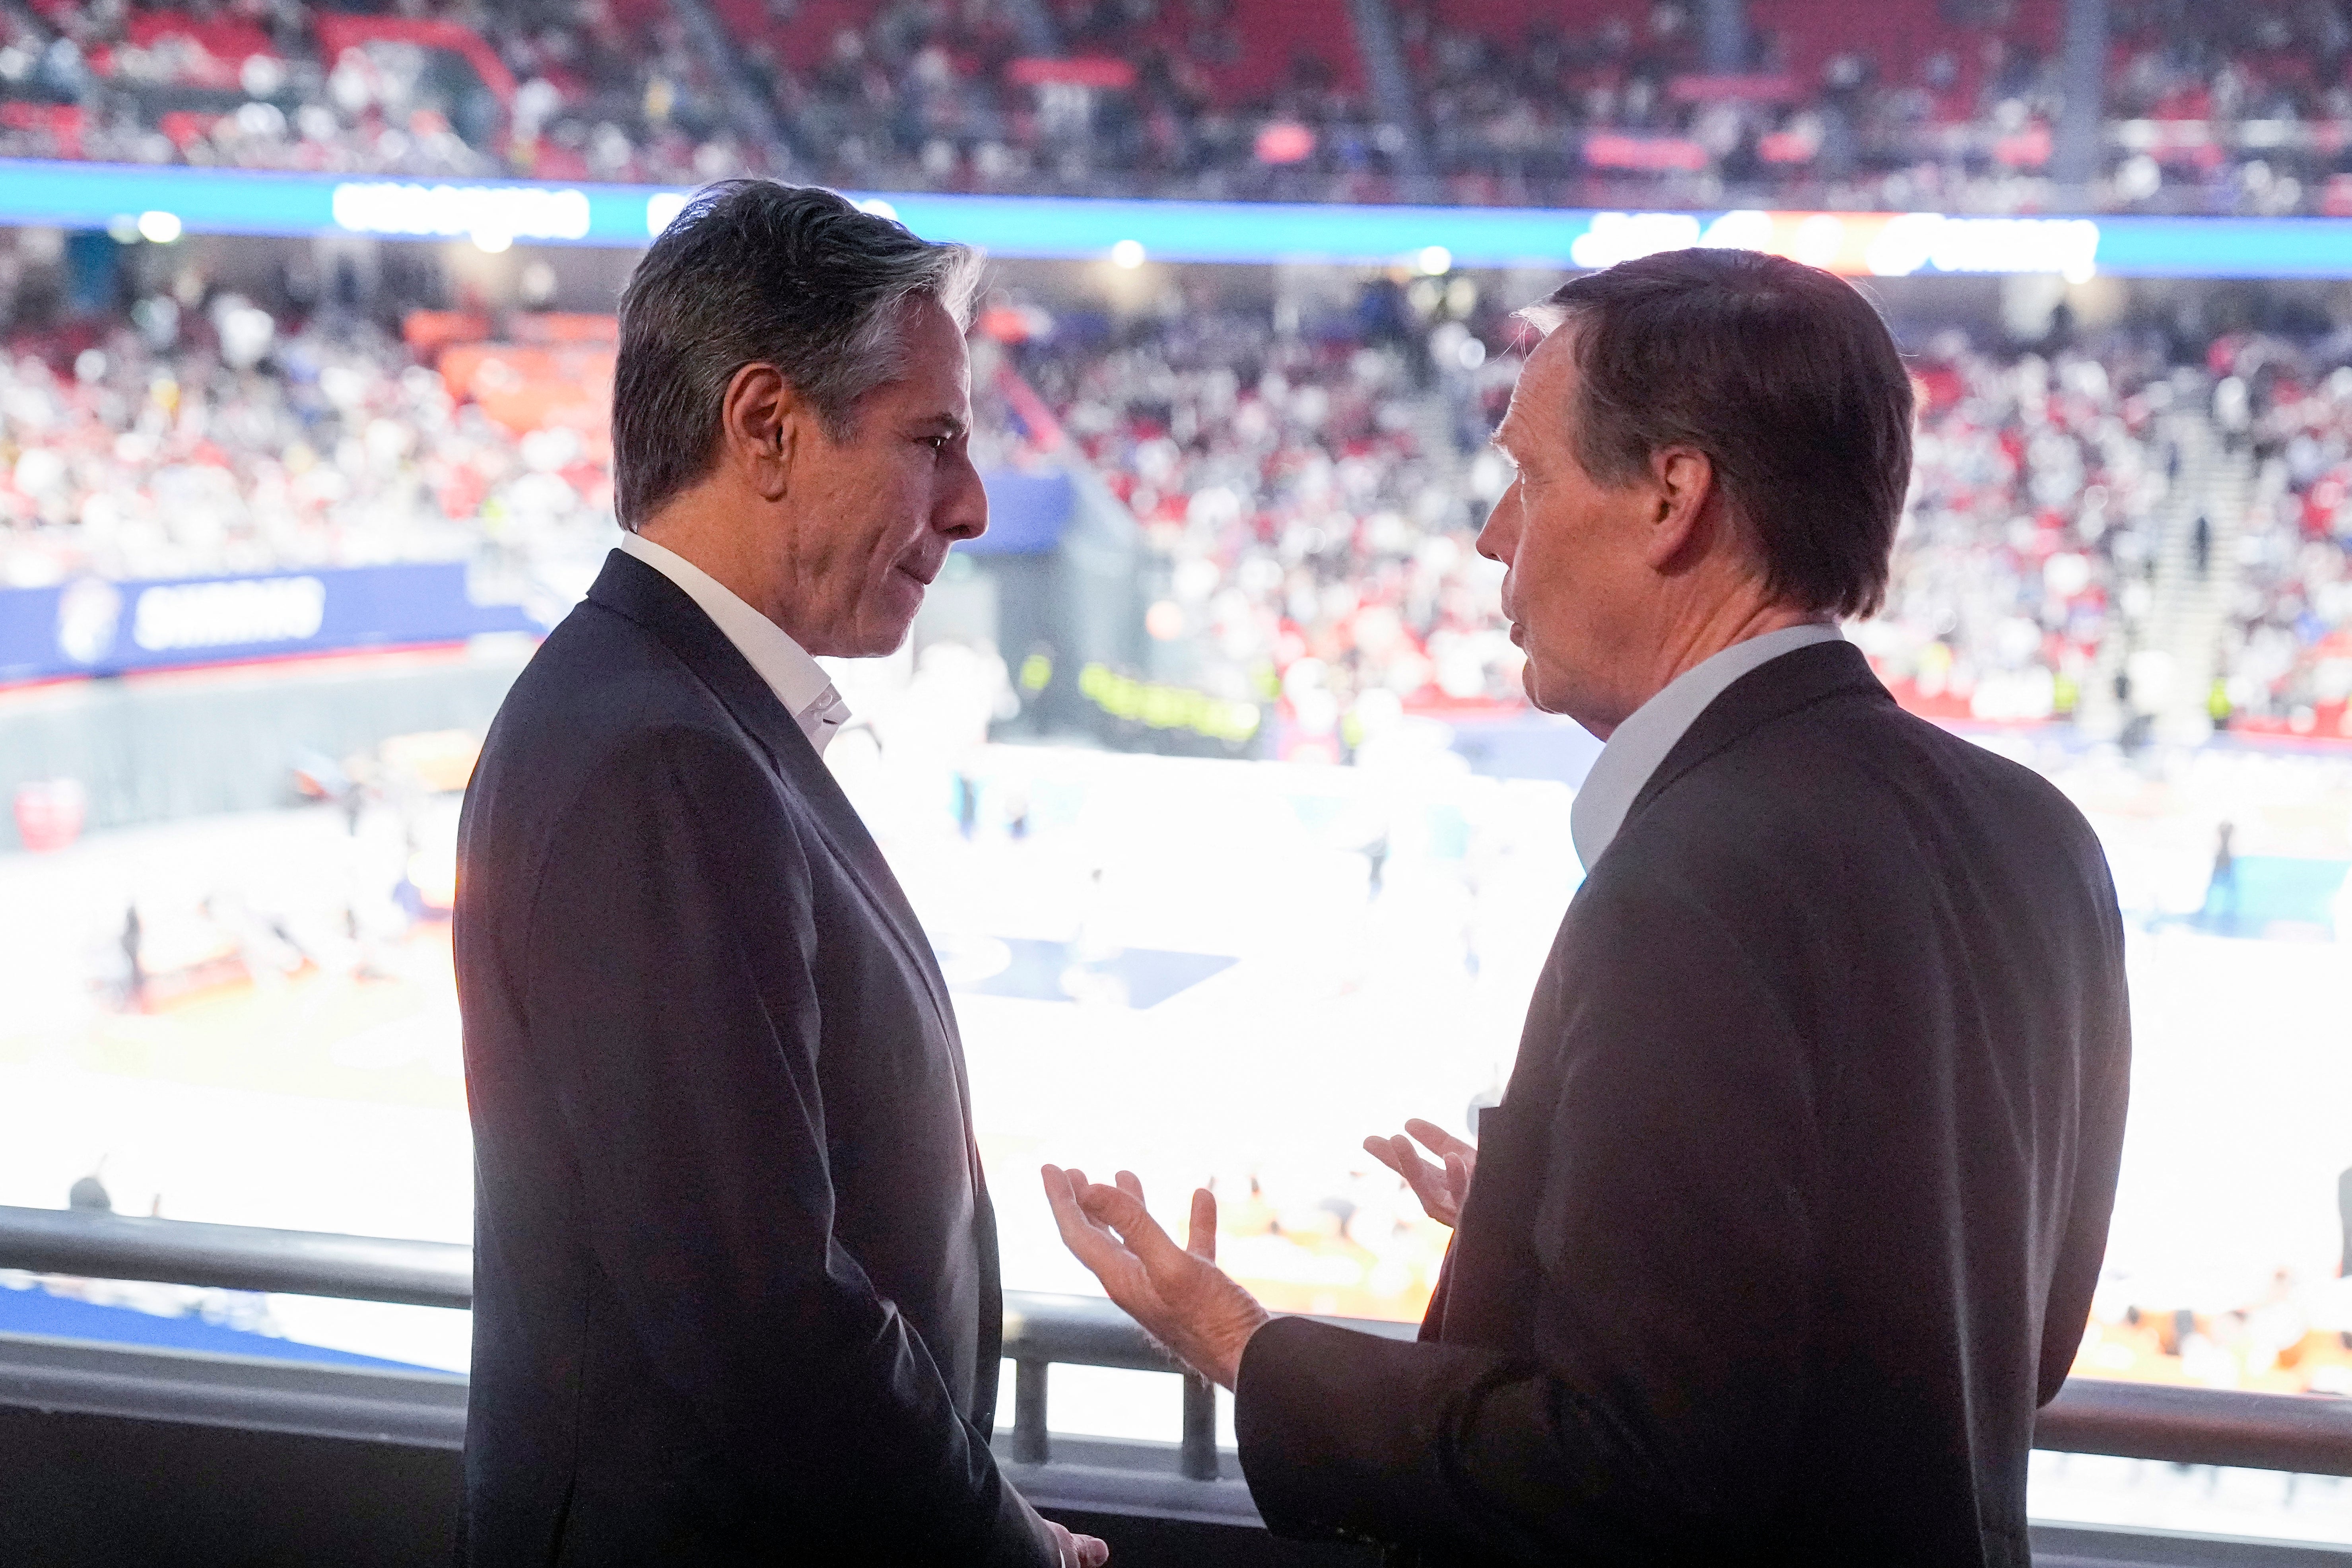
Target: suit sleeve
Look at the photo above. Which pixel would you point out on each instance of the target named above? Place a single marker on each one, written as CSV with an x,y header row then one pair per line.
x,y
673,1016
2103,1091
1671,1176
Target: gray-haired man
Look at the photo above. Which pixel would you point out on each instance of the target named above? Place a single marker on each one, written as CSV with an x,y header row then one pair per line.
x,y
736,1285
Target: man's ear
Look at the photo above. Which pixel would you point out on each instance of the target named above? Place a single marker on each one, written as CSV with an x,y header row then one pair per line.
x,y
1686,505
762,422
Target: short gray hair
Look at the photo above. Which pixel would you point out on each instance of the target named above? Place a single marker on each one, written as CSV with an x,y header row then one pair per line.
x,y
756,273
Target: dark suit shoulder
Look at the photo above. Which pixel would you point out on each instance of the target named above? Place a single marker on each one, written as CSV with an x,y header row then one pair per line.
x,y
601,677
1850,784
607,719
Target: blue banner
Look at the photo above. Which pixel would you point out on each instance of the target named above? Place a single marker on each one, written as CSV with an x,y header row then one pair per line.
x,y
167,200
92,626
1026,512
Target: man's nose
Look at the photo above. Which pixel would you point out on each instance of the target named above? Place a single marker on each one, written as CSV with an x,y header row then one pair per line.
x,y
1494,540
962,511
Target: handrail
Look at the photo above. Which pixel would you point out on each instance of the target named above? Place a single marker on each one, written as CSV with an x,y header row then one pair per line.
x,y
100,1246
2304,1432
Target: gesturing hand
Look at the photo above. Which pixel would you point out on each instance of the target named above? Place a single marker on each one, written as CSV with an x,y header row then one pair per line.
x,y
1075,1551
1440,1187
1179,1294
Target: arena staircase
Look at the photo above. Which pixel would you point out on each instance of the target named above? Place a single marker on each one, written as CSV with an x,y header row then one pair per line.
x,y
1434,431
747,104
1391,83
2217,482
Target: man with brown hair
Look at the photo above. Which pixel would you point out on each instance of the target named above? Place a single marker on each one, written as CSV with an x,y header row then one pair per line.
x,y
1790,1218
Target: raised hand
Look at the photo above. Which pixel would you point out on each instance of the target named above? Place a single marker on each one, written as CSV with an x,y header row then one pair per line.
x,y
1440,1187
1179,1294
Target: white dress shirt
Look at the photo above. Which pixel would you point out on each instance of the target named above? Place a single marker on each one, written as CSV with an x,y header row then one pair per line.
x,y
799,682
1639,744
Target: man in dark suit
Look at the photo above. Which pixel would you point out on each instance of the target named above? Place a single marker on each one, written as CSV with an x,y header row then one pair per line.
x,y
1788,1220
736,1292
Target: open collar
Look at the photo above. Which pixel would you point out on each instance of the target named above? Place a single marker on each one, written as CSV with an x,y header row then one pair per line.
x,y
799,682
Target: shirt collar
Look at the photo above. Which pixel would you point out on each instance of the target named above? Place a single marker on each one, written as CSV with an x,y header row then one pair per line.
x,y
799,682
1639,744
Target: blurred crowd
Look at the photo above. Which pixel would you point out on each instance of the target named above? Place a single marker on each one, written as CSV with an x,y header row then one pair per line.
x,y
1952,105
2027,572
1307,479
214,438
541,89
2289,656
1306,485
2032,528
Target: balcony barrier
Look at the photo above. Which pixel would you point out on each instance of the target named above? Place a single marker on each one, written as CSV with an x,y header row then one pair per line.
x,y
2307,1435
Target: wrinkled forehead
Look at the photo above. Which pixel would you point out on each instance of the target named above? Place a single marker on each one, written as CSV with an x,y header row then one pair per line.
x,y
1546,382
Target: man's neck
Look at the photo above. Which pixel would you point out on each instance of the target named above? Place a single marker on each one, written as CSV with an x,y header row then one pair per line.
x,y
1693,640
1729,626
705,528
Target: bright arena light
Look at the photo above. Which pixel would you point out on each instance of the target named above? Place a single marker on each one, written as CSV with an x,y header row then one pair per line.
x,y
160,227
1436,260
1127,254
662,209
493,241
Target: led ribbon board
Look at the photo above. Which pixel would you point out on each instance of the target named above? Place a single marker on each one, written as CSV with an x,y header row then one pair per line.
x,y
496,213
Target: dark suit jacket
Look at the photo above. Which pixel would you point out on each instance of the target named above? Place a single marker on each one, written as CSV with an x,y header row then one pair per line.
x,y
1788,1219
736,1293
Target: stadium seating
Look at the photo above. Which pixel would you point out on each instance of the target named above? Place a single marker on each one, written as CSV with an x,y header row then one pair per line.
x,y
1944,104
1311,492
2288,665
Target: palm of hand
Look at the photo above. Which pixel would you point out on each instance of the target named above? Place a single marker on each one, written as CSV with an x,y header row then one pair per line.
x,y
1179,1294
1443,1187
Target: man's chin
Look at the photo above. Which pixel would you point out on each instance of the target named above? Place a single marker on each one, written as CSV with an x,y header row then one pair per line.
x,y
881,638
1529,684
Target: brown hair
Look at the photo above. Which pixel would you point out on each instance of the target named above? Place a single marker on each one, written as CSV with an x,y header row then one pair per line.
x,y
1782,375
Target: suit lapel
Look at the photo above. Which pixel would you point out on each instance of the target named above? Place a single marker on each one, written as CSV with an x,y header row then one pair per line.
x,y
628,586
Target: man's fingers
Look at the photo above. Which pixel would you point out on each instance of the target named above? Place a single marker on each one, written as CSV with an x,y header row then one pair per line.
x,y
1092,1244
1201,1237
1458,1172
1428,1184
1130,1184
1397,1154
1059,1196
1124,1212
1072,1549
1439,1141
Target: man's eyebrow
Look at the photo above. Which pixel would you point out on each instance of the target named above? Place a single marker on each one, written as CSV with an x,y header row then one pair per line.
x,y
952,423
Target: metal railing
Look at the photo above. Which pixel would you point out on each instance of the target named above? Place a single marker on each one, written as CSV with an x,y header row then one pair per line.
x,y
2310,1435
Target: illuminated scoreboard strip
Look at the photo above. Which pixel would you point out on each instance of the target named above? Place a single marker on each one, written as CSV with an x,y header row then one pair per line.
x,y
136,200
